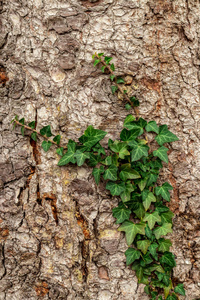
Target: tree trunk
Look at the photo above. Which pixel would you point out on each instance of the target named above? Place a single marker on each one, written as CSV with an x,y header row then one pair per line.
x,y
58,237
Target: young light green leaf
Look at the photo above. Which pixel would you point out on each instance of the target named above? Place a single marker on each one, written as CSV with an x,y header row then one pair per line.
x,y
167,289
143,245
57,139
46,130
115,188
121,213
164,245
96,62
168,259
128,106
147,198
128,173
132,230
46,145
142,183
152,126
131,255
97,173
114,88
103,69
180,289
112,77
100,54
129,119
34,136
121,148
152,219
164,191
138,151
22,130
165,136
59,151
163,230
69,155
111,173
161,153
81,157
107,59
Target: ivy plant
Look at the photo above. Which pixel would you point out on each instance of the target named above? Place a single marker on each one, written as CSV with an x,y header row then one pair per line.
x,y
130,170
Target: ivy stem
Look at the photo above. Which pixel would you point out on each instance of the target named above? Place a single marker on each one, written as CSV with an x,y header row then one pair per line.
x,y
34,130
119,86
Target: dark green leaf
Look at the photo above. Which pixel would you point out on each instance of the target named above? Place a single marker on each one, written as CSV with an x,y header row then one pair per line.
x,y
152,126
115,188
147,290
172,297
121,213
46,130
107,59
94,160
103,68
138,151
129,135
112,77
97,173
161,153
131,255
92,136
81,157
21,121
166,217
46,145
128,106
57,139
180,289
96,62
165,136
69,155
168,259
164,191
120,80
126,195
32,124
59,151
132,230
121,148
114,88
128,173
22,130
111,173
100,54
152,250
140,212
34,136
112,67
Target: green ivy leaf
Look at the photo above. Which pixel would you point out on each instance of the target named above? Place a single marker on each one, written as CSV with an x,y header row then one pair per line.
x,y
140,212
128,120
100,54
32,124
121,213
69,155
143,245
142,183
152,219
107,59
167,289
129,135
81,157
103,68
34,136
96,62
128,173
46,130
22,130
163,230
164,245
126,195
120,148
21,121
132,230
92,136
111,173
112,67
168,259
153,251
115,188
166,217
59,151
138,151
120,80
147,198
165,136
114,88
46,145
180,289
172,297
97,173
161,153
131,255
164,191
112,77
57,139
128,106
152,126
94,160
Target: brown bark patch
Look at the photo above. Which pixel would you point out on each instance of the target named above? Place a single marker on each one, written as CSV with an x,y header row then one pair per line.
x,y
83,224
52,198
36,153
3,77
174,205
152,84
91,3
42,289
103,273
4,233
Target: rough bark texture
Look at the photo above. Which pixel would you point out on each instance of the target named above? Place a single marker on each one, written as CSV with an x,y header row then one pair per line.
x,y
58,237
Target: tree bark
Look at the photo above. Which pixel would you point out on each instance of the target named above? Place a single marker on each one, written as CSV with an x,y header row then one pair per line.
x,y
58,237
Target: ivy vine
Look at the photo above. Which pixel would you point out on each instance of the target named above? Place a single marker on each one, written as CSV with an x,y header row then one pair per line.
x,y
131,170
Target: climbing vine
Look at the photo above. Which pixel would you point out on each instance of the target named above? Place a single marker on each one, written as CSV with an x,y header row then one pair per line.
x,y
130,169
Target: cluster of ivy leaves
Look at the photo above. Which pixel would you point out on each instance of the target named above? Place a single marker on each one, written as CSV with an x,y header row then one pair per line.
x,y
130,171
